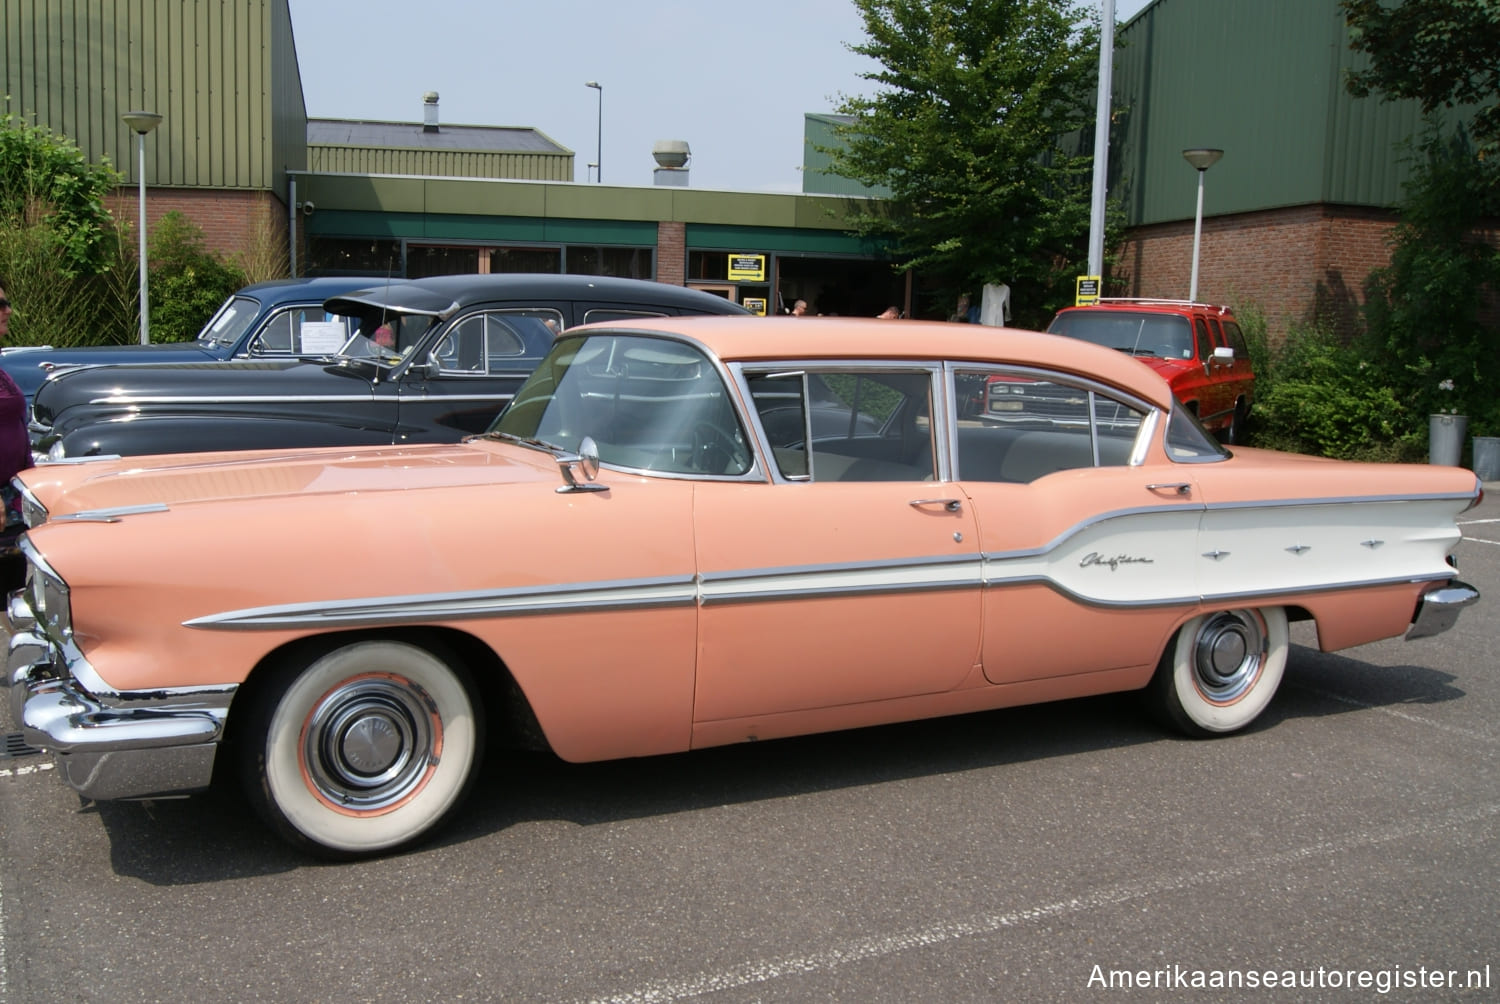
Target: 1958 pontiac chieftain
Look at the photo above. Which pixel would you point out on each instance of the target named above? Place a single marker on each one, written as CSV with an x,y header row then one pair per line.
x,y
780,526
454,349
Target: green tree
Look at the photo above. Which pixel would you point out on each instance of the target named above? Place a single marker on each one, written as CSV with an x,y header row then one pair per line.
x,y
66,265
1431,312
45,179
188,282
968,130
1441,52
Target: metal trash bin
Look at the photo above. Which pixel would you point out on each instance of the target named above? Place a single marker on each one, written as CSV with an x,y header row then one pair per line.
x,y
1487,457
1445,439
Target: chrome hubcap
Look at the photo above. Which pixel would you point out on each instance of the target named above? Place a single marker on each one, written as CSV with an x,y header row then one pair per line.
x,y
369,742
1228,653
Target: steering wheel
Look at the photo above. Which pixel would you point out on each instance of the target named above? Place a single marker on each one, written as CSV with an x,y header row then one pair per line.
x,y
717,451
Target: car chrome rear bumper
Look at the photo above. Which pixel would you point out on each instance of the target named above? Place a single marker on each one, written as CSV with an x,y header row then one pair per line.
x,y
118,747
1437,609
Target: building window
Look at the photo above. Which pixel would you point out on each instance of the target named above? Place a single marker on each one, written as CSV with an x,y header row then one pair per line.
x,y
354,256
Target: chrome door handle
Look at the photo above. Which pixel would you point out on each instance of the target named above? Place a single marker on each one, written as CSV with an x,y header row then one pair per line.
x,y
1179,487
952,505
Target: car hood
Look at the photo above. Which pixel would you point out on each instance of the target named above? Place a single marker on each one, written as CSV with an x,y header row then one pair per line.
x,y
101,489
30,366
120,385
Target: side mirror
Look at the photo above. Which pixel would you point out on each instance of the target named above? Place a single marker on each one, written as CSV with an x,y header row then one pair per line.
x,y
584,463
1224,354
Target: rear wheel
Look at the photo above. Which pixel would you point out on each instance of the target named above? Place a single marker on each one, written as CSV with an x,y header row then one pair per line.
x,y
363,749
1220,671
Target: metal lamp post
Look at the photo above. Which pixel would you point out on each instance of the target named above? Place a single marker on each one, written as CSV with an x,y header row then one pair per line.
x,y
142,123
1202,159
599,142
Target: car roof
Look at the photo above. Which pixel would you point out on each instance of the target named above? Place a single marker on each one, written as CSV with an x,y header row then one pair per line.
x,y
311,288
774,339
1130,305
442,294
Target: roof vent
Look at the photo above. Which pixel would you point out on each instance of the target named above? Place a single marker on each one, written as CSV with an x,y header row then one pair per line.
x,y
672,156
430,111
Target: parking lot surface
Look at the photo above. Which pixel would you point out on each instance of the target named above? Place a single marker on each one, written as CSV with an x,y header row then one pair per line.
x,y
1349,843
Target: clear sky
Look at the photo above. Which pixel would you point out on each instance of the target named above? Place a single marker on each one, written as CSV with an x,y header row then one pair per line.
x,y
733,80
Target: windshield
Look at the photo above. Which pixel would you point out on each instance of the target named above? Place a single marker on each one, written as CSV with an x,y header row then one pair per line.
x,y
648,403
231,322
1139,333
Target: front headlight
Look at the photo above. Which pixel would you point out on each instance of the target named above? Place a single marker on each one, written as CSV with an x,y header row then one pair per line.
x,y
47,594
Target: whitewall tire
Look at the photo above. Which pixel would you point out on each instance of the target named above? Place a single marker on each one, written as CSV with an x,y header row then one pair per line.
x,y
1220,671
363,749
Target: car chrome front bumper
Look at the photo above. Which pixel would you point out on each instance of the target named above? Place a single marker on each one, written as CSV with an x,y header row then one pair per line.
x,y
114,745
1437,609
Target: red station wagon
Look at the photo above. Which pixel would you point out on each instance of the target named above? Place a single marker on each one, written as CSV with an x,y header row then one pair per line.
x,y
1198,348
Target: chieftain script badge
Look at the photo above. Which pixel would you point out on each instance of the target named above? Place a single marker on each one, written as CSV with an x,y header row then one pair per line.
x,y
1094,558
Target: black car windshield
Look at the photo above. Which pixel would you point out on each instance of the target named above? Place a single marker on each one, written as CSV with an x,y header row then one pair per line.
x,y
1140,333
648,403
230,323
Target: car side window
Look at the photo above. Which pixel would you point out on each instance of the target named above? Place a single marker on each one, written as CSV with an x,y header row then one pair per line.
x,y
617,314
282,334
1235,339
847,425
1031,427
1205,341
495,342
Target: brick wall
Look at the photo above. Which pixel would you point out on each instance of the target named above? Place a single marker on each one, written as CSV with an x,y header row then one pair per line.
x,y
1296,266
671,253
234,223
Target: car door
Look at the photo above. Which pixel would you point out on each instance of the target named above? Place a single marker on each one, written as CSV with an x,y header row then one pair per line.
x,y
1088,555
472,368
850,574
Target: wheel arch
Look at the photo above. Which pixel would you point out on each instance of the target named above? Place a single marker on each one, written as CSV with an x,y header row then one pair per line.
x,y
508,717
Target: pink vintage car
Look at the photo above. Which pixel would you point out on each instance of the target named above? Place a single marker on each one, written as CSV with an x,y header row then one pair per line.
x,y
684,533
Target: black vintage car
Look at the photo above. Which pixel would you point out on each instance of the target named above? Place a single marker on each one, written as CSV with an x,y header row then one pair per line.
x,y
432,360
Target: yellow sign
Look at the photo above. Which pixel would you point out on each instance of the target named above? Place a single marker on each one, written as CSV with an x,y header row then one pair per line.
x,y
755,304
747,268
1087,293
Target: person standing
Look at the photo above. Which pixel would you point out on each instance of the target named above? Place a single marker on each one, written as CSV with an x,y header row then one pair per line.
x,y
799,309
15,457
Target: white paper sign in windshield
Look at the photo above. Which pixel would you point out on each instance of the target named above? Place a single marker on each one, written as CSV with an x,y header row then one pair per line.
x,y
323,338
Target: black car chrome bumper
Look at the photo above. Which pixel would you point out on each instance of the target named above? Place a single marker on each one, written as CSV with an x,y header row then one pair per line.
x,y
1438,608
118,746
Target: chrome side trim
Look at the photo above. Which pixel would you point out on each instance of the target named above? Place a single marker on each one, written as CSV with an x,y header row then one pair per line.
x,y
571,598
851,579
110,515
283,399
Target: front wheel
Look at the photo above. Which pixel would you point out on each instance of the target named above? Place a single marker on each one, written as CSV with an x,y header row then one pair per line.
x,y
363,749
1220,671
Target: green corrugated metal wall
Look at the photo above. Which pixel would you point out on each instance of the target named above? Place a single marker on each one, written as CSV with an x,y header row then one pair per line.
x,y
222,73
440,163
1264,81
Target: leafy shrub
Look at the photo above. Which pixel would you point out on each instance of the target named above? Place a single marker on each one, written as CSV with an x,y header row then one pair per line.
x,y
187,282
1320,396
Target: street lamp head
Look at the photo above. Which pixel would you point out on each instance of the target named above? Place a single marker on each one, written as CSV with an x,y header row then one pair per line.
x,y
1202,158
141,122
594,84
